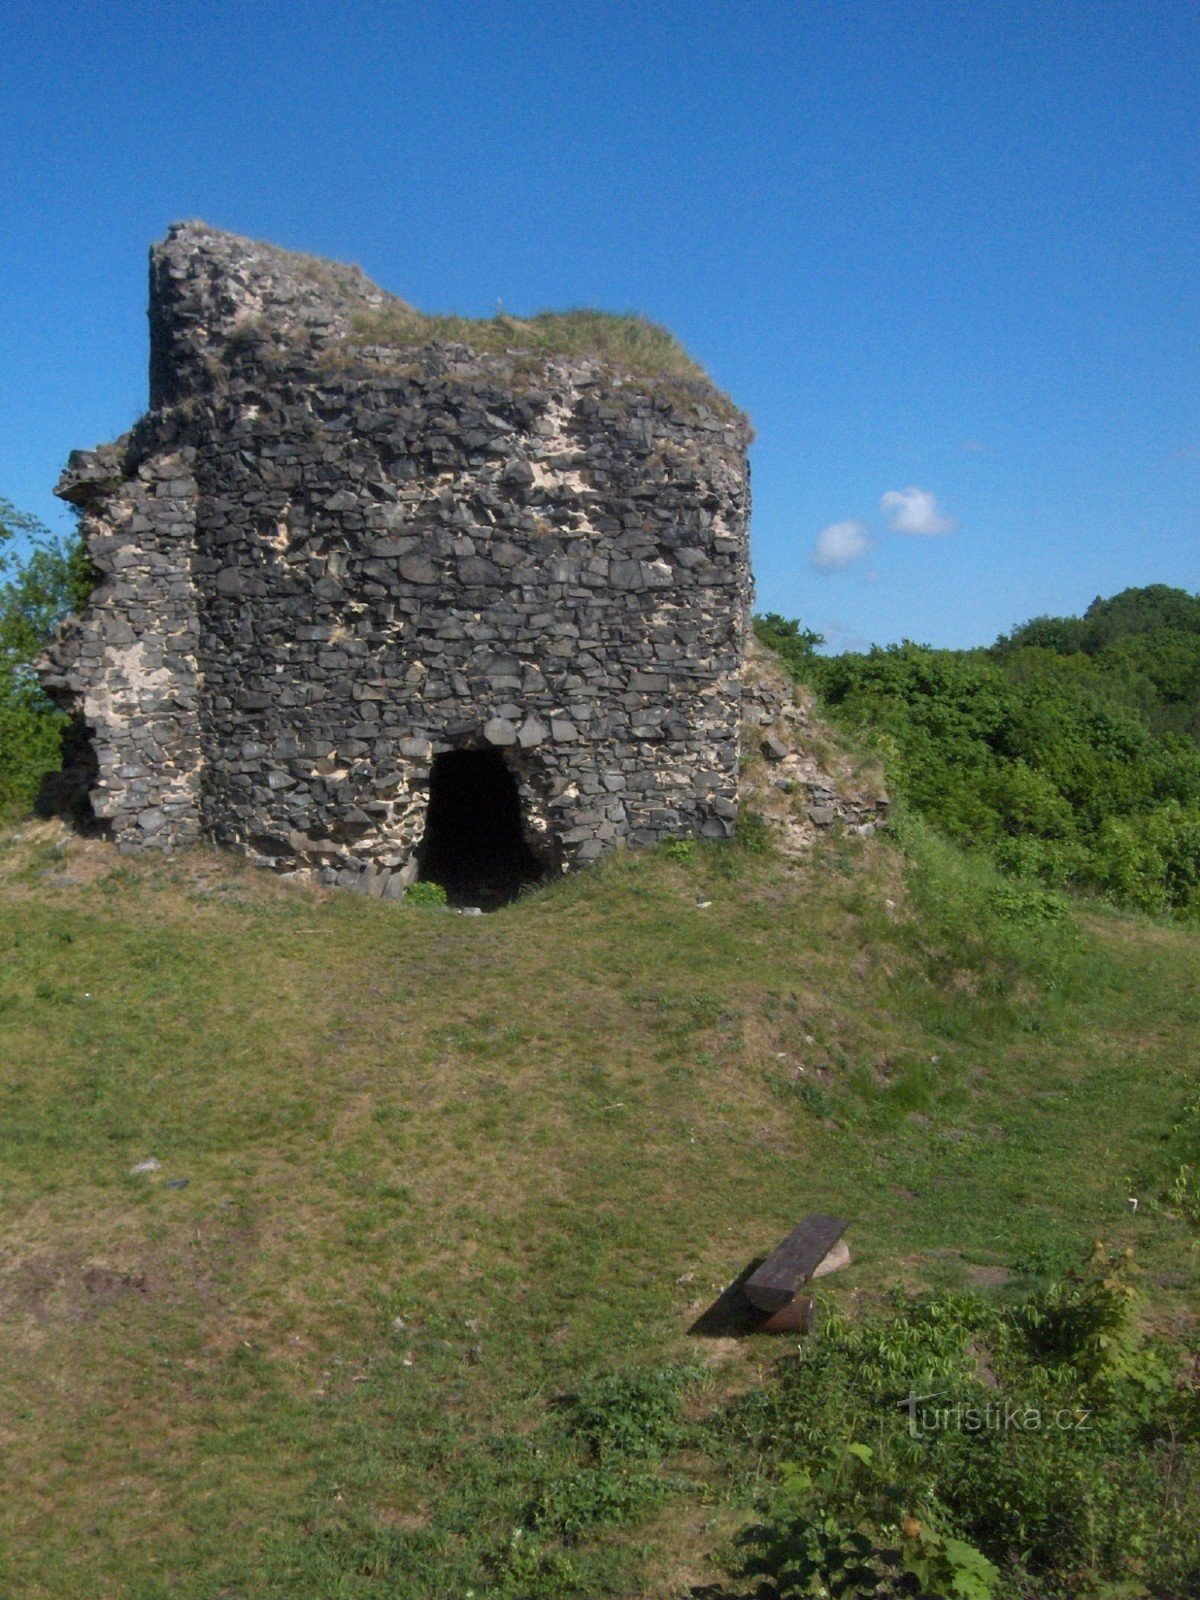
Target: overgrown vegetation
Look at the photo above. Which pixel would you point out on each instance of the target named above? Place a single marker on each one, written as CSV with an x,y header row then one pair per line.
x,y
425,893
1068,751
956,1446
50,578
1180,1192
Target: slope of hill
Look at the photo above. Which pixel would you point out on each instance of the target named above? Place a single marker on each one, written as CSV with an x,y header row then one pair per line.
x,y
403,1307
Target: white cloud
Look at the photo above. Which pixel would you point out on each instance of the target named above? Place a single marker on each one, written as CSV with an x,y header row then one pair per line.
x,y
914,511
840,545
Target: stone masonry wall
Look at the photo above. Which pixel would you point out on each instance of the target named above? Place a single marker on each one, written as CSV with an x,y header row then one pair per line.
x,y
130,667
323,565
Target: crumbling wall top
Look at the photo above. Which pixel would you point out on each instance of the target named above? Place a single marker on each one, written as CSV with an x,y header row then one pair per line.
x,y
216,298
207,286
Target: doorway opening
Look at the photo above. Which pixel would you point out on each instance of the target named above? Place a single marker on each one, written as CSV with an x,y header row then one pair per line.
x,y
474,845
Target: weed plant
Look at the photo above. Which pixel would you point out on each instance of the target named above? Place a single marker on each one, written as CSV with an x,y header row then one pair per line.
x,y
1050,1437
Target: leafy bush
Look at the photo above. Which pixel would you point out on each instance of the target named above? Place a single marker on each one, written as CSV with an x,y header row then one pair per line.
x,y
1152,861
1028,903
1068,752
31,732
1180,1190
815,1099
1048,1447
795,645
37,590
425,893
631,1415
527,1569
835,1534
624,1423
602,1496
679,850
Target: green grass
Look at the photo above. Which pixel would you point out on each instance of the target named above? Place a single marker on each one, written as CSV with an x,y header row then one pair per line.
x,y
623,339
457,1188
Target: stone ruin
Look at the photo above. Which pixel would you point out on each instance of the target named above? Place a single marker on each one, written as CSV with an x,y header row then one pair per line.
x,y
378,600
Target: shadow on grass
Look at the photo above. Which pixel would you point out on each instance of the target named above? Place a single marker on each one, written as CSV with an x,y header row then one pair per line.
x,y
731,1315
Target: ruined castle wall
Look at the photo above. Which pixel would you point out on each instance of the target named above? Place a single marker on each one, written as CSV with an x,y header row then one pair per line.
x,y
396,566
129,667
321,569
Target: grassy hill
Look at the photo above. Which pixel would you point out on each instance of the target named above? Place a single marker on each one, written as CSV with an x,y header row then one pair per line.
x,y
404,1309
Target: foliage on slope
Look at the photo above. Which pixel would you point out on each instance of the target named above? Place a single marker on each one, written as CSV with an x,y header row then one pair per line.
x,y
1068,750
1049,1432
37,589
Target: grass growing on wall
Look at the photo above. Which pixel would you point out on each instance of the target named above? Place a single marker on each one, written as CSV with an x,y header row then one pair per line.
x,y
626,340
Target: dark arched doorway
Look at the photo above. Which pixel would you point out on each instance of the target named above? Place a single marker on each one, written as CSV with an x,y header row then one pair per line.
x,y
474,845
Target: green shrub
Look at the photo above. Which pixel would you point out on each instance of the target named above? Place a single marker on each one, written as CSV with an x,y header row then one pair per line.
x,y
31,731
631,1415
1180,1189
1028,903
839,1534
679,850
425,893
815,1099
1048,1447
528,1569
1181,1192
623,1423
794,645
602,1496
37,589
1152,861
1069,752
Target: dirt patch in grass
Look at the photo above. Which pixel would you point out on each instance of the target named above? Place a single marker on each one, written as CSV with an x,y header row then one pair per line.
x,y
47,1289
982,1276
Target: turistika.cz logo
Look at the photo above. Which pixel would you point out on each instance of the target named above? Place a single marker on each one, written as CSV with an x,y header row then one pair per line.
x,y
995,1416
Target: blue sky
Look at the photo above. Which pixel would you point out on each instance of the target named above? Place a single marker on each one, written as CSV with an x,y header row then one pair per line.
x,y
942,252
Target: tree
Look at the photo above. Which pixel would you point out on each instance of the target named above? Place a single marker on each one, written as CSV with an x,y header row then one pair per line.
x,y
38,587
